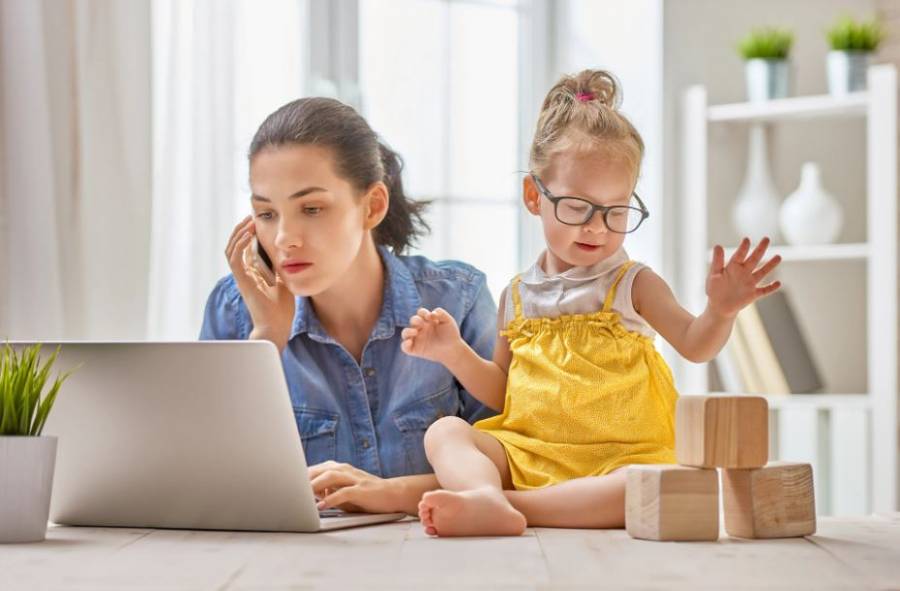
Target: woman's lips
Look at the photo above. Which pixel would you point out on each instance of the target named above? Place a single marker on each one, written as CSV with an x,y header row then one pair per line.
x,y
587,247
295,267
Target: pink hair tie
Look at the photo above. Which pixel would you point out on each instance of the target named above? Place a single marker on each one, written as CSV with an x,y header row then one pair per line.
x,y
585,96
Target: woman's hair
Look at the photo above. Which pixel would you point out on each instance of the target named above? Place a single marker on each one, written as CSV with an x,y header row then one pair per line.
x,y
359,156
581,112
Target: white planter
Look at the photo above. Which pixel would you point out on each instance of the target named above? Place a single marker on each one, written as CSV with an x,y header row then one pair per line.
x,y
811,215
847,71
755,213
26,479
766,79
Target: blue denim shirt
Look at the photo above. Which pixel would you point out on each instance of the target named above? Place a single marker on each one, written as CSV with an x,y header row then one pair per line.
x,y
374,415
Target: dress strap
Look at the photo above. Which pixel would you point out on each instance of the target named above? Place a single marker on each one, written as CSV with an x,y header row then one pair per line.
x,y
611,294
516,296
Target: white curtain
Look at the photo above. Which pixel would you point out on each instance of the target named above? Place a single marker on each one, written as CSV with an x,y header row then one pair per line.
x,y
219,67
74,168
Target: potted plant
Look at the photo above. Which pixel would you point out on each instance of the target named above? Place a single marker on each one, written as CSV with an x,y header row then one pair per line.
x,y
852,43
765,52
27,459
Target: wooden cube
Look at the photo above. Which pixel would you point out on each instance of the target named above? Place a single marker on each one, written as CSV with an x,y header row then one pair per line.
x,y
669,502
776,501
722,431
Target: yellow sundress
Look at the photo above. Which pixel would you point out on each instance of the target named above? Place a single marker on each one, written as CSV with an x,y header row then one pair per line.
x,y
584,396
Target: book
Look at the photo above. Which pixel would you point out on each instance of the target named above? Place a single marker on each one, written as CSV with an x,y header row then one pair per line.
x,y
745,363
766,362
789,344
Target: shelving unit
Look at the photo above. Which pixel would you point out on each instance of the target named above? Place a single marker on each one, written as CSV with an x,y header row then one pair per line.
x,y
851,439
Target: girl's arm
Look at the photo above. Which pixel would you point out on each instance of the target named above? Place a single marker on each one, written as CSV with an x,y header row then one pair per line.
x,y
730,288
434,335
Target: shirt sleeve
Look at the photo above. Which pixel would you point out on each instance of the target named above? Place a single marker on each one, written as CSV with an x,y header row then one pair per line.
x,y
478,329
223,318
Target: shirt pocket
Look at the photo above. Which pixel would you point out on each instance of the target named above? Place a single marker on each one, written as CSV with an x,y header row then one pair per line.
x,y
318,432
413,420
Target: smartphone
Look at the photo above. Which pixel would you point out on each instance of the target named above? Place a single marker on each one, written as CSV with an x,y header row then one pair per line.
x,y
262,262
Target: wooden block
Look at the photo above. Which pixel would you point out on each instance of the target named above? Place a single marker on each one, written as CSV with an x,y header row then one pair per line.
x,y
722,431
670,502
776,501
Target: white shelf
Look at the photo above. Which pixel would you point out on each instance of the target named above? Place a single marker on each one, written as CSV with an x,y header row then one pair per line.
x,y
820,253
803,107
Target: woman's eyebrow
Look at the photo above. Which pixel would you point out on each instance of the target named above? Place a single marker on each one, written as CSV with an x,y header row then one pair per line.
x,y
297,195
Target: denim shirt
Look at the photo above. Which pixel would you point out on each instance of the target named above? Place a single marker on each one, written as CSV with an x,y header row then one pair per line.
x,y
373,415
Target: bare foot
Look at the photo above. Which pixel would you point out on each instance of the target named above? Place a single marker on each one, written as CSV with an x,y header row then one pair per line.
x,y
481,512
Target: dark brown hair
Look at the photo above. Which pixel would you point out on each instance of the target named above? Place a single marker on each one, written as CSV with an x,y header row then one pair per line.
x,y
359,155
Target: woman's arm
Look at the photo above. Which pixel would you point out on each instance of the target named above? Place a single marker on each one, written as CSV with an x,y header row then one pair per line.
x,y
351,489
729,288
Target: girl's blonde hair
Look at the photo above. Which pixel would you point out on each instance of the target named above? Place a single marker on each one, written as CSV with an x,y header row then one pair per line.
x,y
581,112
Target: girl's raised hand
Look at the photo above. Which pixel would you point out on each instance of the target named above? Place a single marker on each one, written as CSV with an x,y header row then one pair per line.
x,y
734,286
432,335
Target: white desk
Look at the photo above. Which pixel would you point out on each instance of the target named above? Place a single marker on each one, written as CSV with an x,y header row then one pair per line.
x,y
844,554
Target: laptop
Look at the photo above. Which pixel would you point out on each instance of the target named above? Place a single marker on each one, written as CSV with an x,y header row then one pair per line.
x,y
189,435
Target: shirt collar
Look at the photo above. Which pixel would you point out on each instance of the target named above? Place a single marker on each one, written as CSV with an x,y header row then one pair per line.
x,y
535,275
400,301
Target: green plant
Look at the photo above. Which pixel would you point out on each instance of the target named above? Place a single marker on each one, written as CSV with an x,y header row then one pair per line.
x,y
766,43
847,34
22,379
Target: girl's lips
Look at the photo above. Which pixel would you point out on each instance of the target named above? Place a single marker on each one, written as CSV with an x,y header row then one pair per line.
x,y
295,267
588,247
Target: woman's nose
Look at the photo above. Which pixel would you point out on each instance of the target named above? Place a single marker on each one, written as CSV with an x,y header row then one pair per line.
x,y
288,238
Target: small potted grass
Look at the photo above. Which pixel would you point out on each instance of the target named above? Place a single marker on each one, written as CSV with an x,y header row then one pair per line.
x,y
27,458
852,44
766,68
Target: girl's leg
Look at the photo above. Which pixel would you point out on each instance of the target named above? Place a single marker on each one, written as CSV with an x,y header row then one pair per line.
x,y
473,469
591,502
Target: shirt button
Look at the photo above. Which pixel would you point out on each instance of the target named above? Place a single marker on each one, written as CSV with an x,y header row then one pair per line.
x,y
365,443
370,371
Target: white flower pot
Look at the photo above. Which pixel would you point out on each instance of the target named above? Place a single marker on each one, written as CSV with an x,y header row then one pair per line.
x,y
811,215
766,79
755,212
847,71
26,479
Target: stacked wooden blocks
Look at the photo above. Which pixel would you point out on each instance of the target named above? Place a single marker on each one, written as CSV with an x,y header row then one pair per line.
x,y
681,502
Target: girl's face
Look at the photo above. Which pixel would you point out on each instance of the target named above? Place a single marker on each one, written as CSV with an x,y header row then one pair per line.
x,y
310,221
592,175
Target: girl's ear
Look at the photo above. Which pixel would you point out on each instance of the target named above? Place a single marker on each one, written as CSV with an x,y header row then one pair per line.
x,y
377,199
531,196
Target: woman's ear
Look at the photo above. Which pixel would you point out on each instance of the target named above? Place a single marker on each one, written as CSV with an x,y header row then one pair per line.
x,y
377,201
531,196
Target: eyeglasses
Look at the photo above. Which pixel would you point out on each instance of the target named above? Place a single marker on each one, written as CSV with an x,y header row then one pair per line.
x,y
575,211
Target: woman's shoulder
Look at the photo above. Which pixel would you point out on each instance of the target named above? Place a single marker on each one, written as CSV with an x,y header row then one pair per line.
x,y
422,269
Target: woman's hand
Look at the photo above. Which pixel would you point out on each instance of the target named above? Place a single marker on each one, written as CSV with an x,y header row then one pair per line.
x,y
354,490
432,335
271,307
734,286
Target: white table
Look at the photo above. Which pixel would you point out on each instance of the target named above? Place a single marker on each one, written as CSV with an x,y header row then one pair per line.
x,y
845,553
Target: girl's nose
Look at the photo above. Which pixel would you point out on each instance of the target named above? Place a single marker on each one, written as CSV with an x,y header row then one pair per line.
x,y
596,224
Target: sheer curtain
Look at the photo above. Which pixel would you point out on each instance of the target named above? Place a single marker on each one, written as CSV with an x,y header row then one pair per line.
x,y
74,168
219,67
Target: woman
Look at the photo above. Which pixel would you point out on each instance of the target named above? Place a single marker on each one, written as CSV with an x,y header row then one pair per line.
x,y
330,214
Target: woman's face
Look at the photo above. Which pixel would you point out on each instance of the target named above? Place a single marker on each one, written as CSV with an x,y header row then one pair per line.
x,y
591,175
310,221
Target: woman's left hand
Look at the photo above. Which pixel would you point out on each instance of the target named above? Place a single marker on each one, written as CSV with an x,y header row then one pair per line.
x,y
734,286
350,489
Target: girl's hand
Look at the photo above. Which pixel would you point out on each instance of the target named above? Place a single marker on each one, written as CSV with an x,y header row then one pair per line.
x,y
350,489
732,287
431,335
271,307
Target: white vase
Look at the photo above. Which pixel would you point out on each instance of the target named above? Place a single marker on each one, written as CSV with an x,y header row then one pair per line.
x,y
26,479
755,213
811,215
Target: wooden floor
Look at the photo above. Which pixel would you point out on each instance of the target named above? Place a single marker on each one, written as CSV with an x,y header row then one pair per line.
x,y
844,554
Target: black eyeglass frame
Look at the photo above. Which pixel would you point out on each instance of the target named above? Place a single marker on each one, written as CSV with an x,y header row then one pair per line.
x,y
604,209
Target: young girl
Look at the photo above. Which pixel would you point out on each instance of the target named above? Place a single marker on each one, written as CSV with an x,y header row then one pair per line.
x,y
581,389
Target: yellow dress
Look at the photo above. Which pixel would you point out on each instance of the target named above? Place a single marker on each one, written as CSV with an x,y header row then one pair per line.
x,y
584,396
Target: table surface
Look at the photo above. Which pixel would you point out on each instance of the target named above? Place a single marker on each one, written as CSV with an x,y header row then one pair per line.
x,y
845,553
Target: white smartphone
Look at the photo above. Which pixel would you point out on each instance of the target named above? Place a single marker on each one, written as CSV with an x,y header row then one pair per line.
x,y
262,262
